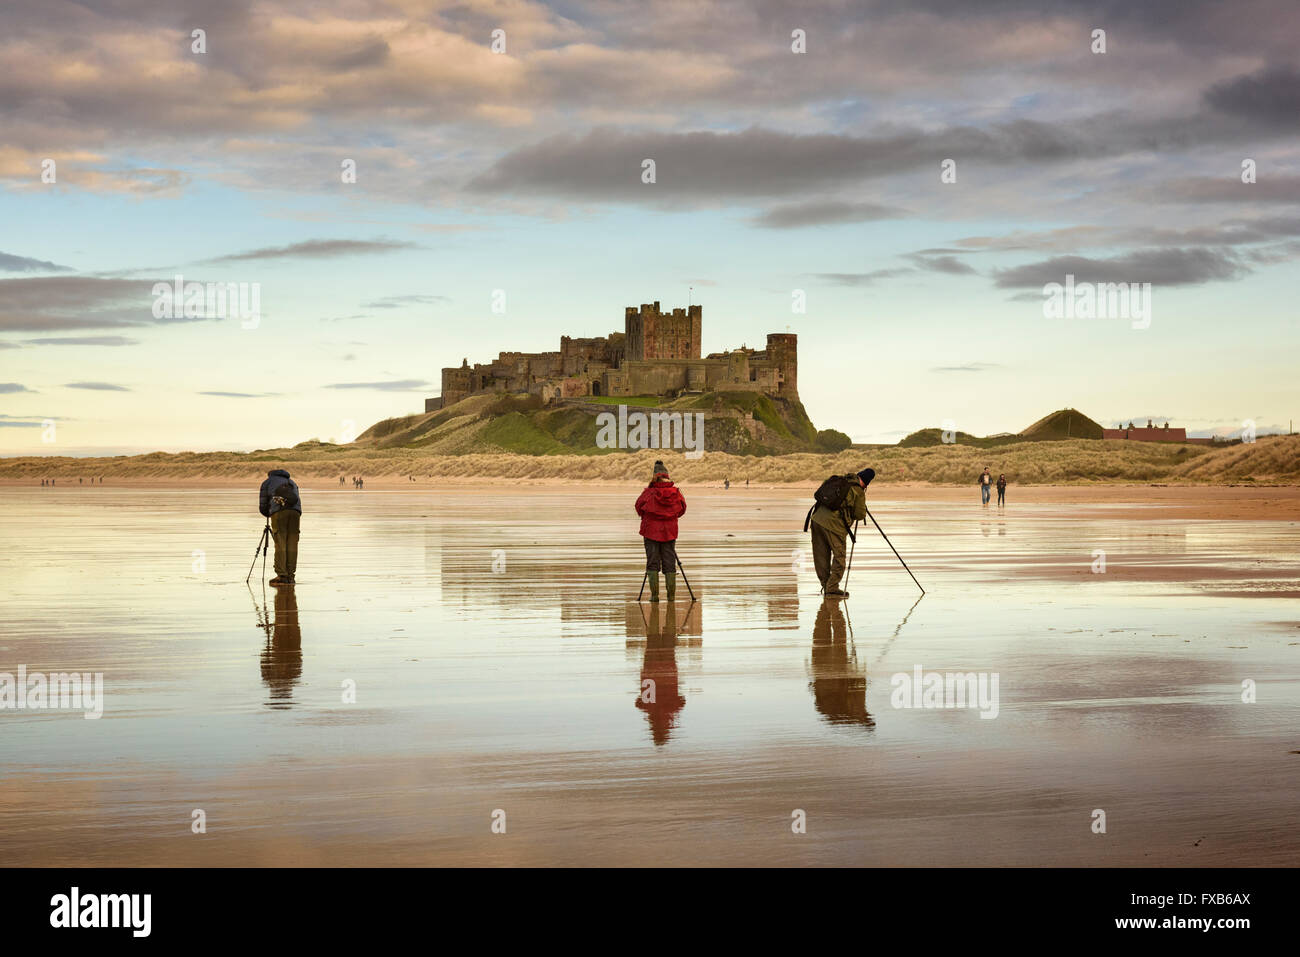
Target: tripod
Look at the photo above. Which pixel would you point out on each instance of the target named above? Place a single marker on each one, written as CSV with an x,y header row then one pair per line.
x,y
646,577
262,545
887,542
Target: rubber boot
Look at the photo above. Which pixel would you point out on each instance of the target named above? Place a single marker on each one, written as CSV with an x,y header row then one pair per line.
x,y
654,586
670,578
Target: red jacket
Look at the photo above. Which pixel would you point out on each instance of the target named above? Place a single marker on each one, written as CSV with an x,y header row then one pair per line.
x,y
659,506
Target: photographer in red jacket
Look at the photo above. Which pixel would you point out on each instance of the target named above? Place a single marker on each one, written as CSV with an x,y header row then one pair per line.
x,y
659,506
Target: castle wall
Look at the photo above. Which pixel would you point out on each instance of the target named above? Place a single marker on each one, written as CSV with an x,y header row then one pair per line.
x,y
658,353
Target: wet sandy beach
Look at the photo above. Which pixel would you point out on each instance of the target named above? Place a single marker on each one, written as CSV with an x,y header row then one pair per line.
x,y
519,689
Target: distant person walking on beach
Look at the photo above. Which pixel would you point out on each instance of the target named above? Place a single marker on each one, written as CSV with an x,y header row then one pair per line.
x,y
986,486
281,502
660,505
1002,489
840,501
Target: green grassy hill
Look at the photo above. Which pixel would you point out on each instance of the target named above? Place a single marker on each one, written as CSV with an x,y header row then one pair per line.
x,y
1063,425
520,423
1057,427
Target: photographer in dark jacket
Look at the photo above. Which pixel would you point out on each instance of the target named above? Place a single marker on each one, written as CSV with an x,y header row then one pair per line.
x,y
280,501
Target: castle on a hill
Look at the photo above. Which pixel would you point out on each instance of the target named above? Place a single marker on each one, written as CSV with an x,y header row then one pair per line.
x,y
657,353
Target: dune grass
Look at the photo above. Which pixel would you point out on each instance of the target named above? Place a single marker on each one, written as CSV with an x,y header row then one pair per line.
x,y
1270,460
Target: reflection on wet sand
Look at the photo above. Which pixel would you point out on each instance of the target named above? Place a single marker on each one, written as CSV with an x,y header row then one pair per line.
x,y
500,657
839,682
660,626
529,572
884,649
282,655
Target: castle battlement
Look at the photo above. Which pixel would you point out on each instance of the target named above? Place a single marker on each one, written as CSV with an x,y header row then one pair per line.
x,y
657,353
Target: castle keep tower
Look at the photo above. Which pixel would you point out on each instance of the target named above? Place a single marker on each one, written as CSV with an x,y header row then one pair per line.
x,y
652,334
783,352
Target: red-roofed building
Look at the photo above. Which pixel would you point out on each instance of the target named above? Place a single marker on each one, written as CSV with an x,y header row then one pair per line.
x,y
1152,433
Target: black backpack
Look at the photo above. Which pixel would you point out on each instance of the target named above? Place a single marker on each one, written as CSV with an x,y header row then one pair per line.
x,y
288,493
833,494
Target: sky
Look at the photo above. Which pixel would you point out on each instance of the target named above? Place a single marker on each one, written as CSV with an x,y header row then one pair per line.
x,y
914,173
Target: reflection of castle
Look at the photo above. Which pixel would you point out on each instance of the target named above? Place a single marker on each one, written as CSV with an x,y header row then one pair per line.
x,y
658,353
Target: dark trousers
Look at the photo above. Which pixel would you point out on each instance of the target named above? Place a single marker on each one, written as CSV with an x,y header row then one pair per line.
x,y
828,555
1002,494
660,555
284,528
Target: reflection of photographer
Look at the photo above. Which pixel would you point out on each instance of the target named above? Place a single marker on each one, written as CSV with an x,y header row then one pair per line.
x,y
280,502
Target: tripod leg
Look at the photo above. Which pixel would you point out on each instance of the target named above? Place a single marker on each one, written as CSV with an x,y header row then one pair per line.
x,y
851,548
261,547
644,579
894,550
685,579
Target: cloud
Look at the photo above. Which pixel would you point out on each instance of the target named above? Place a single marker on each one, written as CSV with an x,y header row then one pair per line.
x,y
797,215
12,263
701,166
1268,188
318,249
97,386
240,395
945,264
400,385
397,302
1271,96
11,387
706,167
55,303
969,367
861,278
1160,267
85,341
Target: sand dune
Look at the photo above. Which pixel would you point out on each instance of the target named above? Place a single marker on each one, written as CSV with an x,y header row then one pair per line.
x,y
1270,460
